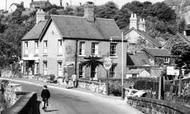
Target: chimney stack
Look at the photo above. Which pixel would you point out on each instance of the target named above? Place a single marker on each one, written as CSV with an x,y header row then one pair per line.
x,y
133,21
142,25
40,16
89,11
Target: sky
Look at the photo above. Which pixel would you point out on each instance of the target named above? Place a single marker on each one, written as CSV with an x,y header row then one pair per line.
x,y
73,2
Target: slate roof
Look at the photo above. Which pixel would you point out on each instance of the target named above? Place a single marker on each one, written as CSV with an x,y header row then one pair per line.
x,y
158,52
78,27
146,36
138,59
34,33
135,71
184,38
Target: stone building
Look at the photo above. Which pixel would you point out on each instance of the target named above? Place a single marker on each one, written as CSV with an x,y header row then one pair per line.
x,y
58,45
143,51
39,4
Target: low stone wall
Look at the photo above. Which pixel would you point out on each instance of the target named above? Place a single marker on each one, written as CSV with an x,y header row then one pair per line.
x,y
154,106
93,86
10,93
27,104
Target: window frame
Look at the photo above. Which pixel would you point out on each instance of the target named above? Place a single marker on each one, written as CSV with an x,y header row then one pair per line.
x,y
59,68
45,67
82,48
26,47
45,46
94,49
113,51
60,47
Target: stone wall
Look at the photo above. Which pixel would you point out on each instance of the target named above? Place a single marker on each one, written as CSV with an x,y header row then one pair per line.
x,y
10,93
154,106
96,87
27,104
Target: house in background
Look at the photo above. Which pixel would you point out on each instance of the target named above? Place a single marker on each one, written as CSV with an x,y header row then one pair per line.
x,y
137,37
65,40
134,73
143,51
150,59
30,46
39,4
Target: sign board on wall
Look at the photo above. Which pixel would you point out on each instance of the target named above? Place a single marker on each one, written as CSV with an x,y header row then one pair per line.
x,y
107,63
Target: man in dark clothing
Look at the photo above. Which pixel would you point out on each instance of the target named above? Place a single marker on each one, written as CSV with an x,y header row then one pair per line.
x,y
45,96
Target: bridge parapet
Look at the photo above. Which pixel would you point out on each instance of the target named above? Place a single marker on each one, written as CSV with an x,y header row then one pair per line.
x,y
27,104
154,106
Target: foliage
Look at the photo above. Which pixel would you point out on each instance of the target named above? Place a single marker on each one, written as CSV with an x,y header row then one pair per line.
x,y
182,53
92,62
16,27
159,17
115,88
122,17
108,10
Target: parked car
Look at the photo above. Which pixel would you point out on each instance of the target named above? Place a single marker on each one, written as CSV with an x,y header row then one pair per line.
x,y
134,93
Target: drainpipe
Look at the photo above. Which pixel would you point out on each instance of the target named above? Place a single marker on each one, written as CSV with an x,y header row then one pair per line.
x,y
76,56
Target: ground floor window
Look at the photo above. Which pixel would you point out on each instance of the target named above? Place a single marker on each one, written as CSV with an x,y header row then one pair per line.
x,y
29,67
81,71
45,67
60,68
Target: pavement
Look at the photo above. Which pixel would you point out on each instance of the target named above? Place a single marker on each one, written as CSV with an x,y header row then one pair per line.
x,y
58,86
67,100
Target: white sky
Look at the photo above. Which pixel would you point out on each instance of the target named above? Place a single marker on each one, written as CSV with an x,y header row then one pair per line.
x,y
74,2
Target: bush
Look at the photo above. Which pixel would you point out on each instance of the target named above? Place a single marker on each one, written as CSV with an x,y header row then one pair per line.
x,y
115,88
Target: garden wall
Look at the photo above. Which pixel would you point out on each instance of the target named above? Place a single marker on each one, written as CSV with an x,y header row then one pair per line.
x,y
154,106
93,86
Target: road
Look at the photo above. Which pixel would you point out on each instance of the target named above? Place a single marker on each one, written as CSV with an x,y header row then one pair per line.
x,y
68,101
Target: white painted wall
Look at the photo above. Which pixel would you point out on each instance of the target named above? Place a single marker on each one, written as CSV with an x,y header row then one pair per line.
x,y
52,36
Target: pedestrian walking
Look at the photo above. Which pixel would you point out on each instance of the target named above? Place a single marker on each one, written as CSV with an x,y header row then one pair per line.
x,y
45,94
74,78
67,79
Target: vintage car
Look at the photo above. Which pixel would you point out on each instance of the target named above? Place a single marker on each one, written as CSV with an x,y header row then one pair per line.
x,y
134,93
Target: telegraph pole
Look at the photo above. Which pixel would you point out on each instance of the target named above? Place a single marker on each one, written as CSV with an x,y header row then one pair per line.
x,y
5,5
122,73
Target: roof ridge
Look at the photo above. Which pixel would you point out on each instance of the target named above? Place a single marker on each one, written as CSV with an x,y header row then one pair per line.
x,y
155,48
74,16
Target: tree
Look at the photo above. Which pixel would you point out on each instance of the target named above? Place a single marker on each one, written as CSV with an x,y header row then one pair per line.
x,y
79,11
2,26
122,17
17,26
92,62
109,10
53,11
162,12
182,53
